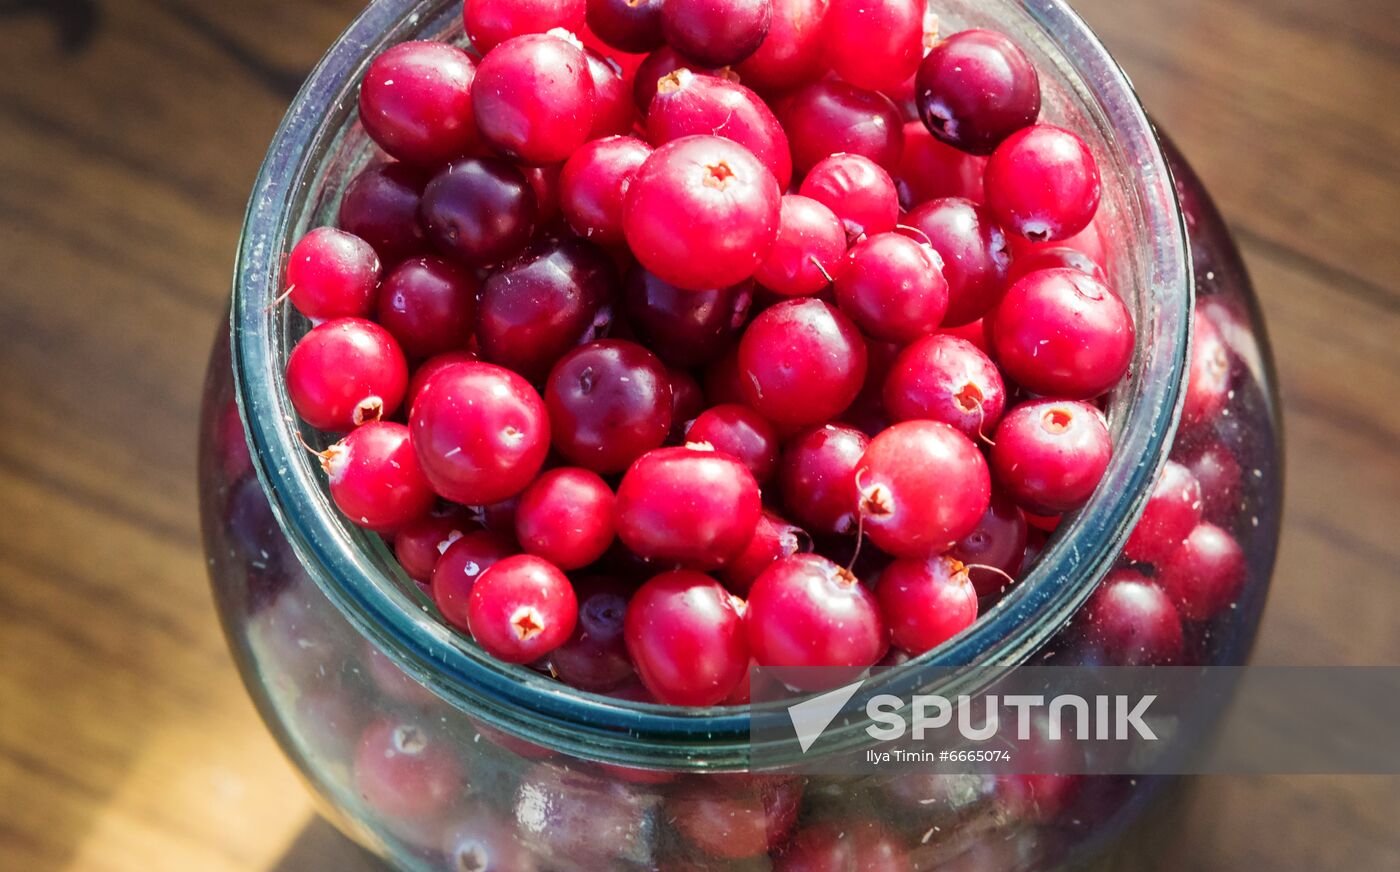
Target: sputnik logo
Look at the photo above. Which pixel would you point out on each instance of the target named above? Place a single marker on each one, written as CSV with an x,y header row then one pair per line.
x,y
811,717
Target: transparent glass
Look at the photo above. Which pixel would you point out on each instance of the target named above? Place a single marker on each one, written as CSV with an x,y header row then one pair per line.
x,y
514,771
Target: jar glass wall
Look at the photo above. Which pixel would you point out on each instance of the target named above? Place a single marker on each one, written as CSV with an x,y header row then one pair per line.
x,y
470,758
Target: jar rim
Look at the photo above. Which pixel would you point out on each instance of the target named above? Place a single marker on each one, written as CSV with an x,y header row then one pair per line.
x,y
516,698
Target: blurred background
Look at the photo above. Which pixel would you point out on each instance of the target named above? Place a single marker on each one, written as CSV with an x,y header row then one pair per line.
x,y
130,133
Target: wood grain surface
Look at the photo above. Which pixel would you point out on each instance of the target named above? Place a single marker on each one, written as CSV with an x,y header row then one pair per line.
x,y
130,131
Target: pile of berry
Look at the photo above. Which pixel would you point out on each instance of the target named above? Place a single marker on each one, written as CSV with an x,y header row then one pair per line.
x,y
781,343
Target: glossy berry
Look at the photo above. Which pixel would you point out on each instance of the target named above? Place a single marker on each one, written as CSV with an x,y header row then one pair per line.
x,y
773,539
345,373
736,816
481,433
686,636
332,274
997,546
1043,183
1205,574
1061,333
479,211
404,772
431,367
419,544
1173,510
831,117
858,190
944,378
534,99
892,286
739,432
627,25
429,305
925,602
691,104
1129,621
657,66
929,169
381,205
566,517
716,32
1221,478
974,251
685,328
875,43
1208,376
416,102
459,567
808,252
609,403
614,112
702,212
976,88
595,657
802,362
864,846
538,307
491,22
923,486
375,479
1051,454
806,611
594,183
791,54
817,478
1042,257
689,506
482,840
687,401
521,609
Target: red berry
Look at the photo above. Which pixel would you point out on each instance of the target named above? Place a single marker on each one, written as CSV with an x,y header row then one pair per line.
x,y
974,251
1061,333
521,608
332,274
1205,574
689,506
566,517
429,368
809,250
609,403
429,305
480,211
741,433
773,539
595,656
944,378
716,32
404,772
802,362
375,479
875,44
1129,621
456,572
1051,454
1043,183
805,611
380,206
893,287
491,22
1042,257
416,102
685,328
926,602
923,486
481,433
830,117
929,169
594,183
858,190
686,636
791,54
847,846
1208,376
419,544
627,25
537,308
1215,467
997,545
345,373
976,88
482,840
702,212
1172,512
614,111
817,478
534,99
690,104
736,816
657,66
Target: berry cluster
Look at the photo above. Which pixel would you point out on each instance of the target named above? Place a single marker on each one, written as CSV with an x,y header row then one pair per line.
x,y
675,336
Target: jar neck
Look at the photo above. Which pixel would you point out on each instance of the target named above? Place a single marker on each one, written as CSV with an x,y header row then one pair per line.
x,y
315,152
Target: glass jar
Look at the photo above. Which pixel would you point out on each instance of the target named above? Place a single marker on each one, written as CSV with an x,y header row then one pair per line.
x,y
434,755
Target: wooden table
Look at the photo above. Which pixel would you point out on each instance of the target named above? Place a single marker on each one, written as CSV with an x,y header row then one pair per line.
x,y
130,132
